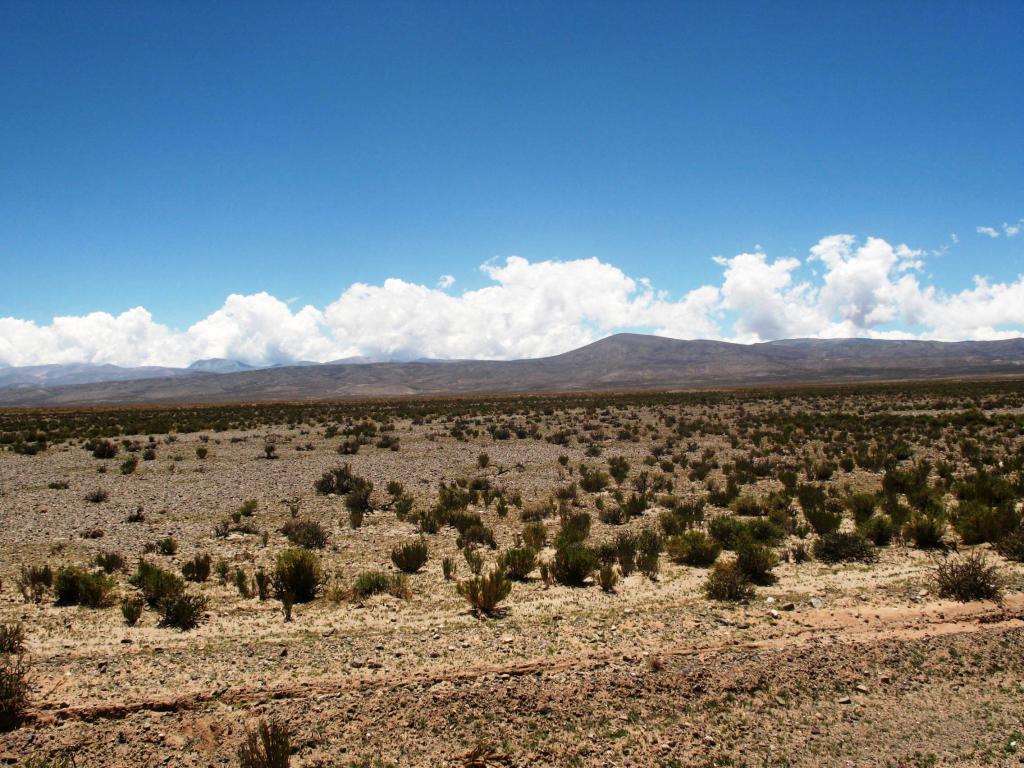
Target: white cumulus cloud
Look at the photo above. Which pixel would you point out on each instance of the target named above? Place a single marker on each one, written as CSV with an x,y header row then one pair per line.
x,y
843,287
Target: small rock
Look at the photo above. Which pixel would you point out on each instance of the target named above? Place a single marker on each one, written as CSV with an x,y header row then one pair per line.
x,y
789,606
817,602
775,614
862,688
844,700
357,663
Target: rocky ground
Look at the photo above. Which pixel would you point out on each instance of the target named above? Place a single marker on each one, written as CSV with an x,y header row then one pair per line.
x,y
831,665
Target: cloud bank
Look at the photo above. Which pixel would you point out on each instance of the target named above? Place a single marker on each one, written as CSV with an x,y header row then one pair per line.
x,y
844,287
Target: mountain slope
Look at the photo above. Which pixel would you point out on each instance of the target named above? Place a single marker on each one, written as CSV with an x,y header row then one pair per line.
x,y
623,361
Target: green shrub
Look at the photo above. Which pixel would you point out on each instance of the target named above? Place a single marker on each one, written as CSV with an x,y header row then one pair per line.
x,y
727,531
476,535
484,592
33,581
625,550
358,497
131,610
647,551
305,533
297,576
268,746
573,564
592,480
410,556
574,530
109,562
167,546
448,568
12,638
183,611
14,669
197,569
968,578
726,582
926,531
97,496
73,586
1012,547
879,529
756,561
336,482
535,535
977,522
517,562
844,547
823,519
607,577
748,506
861,506
155,583
694,548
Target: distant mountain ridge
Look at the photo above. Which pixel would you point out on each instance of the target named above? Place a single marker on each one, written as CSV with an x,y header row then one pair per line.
x,y
622,361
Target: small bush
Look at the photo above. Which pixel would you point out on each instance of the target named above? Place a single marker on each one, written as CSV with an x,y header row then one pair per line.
x,y
486,591
131,610
977,522
183,611
607,577
823,520
448,568
517,562
268,746
12,638
109,562
648,548
167,546
33,582
726,582
879,529
14,670
262,581
297,576
968,578
844,547
198,568
861,506
305,533
694,548
104,449
573,564
97,496
1012,547
410,556
535,535
73,586
756,561
625,552
748,506
371,583
925,531
476,535
727,531
156,583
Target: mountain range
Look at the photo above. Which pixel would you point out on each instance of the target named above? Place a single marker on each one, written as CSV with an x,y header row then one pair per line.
x,y
623,361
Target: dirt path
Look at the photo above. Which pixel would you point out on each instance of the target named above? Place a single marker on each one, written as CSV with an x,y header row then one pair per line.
x,y
835,626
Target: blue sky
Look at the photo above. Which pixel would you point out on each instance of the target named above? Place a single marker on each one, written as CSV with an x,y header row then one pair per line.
x,y
168,155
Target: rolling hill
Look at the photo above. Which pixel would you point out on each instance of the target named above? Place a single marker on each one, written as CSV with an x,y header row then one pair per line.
x,y
622,361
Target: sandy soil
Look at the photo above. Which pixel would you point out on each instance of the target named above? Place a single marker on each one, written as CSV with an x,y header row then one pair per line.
x,y
831,665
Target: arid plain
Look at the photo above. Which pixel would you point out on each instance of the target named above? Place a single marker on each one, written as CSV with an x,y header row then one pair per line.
x,y
864,607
